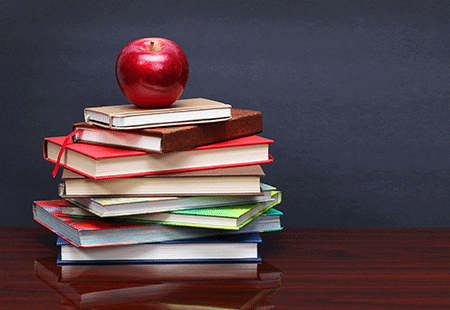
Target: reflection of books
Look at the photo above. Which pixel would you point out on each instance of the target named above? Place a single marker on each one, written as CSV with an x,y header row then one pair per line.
x,y
98,232
263,306
224,181
243,275
227,217
103,294
174,138
183,111
97,289
225,248
217,299
102,162
119,206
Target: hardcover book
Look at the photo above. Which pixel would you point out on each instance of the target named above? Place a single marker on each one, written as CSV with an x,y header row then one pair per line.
x,y
226,217
225,248
183,111
102,162
120,206
174,138
243,180
100,232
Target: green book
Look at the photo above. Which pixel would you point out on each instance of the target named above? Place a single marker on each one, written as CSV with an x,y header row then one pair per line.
x,y
121,206
232,217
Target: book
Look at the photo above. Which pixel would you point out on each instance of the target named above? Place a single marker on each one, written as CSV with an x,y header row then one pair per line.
x,y
121,206
242,180
226,217
100,232
224,248
183,111
173,138
100,162
238,274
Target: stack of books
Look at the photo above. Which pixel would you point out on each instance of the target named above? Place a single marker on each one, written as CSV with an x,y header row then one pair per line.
x,y
180,184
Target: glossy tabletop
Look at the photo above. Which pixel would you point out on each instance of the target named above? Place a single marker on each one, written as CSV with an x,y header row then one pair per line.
x,y
318,268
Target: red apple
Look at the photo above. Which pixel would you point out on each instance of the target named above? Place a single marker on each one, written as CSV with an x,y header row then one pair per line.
x,y
152,72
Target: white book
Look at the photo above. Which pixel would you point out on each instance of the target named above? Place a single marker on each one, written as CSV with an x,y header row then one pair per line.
x,y
226,248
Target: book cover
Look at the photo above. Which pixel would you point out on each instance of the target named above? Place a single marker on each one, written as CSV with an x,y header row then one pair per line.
x,y
183,111
102,162
242,180
224,248
100,232
232,217
227,217
120,206
173,138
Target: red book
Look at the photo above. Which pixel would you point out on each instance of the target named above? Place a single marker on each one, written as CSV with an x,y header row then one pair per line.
x,y
102,162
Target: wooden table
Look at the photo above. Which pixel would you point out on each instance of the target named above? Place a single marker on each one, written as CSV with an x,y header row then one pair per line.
x,y
321,269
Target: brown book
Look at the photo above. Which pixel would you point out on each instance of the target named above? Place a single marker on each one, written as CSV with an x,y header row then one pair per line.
x,y
231,181
168,139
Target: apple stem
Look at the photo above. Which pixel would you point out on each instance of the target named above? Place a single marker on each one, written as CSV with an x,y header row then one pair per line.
x,y
152,46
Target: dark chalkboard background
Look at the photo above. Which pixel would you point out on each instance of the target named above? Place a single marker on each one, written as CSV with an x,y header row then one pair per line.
x,y
355,95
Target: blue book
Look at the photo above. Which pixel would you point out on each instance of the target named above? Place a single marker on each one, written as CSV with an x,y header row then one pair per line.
x,y
223,248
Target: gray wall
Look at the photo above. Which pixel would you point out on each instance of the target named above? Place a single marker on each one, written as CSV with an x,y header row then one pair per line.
x,y
355,95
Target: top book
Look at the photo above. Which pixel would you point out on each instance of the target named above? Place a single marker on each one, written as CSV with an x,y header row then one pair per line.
x,y
181,112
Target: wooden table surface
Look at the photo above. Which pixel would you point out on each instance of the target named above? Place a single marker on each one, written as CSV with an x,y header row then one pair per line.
x,y
321,269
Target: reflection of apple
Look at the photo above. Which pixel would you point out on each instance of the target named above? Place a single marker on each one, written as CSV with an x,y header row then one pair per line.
x,y
152,72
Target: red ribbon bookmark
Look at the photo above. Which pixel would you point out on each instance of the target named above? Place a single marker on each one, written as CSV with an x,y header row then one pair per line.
x,y
61,151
